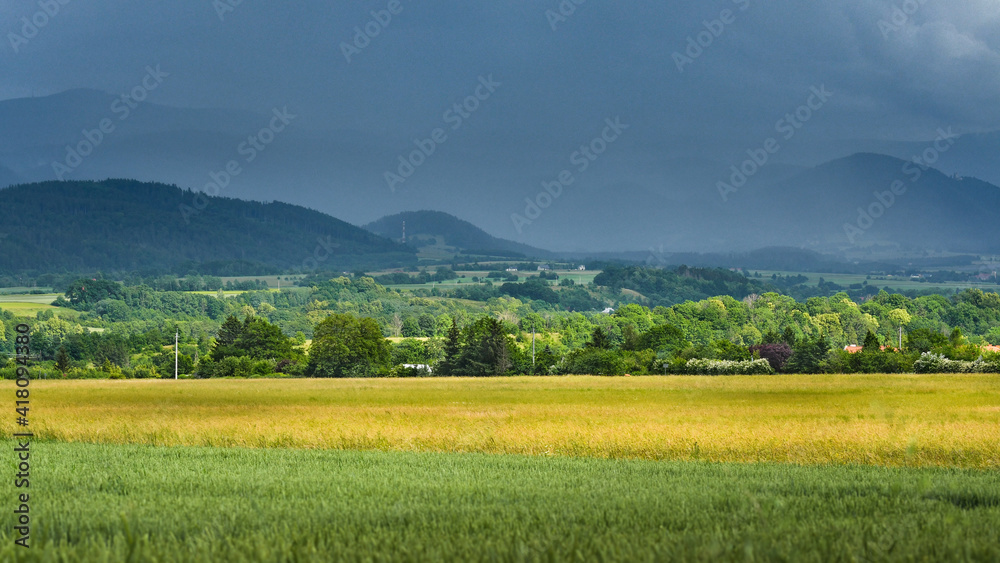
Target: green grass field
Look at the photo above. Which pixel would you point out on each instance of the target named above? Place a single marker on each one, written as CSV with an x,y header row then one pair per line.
x,y
133,503
783,468
25,305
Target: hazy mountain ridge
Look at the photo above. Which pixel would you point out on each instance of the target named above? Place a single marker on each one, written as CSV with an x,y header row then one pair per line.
x,y
868,199
635,198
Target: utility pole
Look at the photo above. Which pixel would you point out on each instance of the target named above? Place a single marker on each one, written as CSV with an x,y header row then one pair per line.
x,y
177,336
900,338
532,347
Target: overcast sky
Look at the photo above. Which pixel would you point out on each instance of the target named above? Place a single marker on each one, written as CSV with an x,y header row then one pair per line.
x,y
940,66
690,78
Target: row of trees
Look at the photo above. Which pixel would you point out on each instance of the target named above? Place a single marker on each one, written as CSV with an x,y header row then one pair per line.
x,y
129,326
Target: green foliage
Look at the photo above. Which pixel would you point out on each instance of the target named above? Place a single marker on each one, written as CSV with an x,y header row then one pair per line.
x,y
595,361
599,340
346,346
809,355
665,338
670,287
486,350
254,337
164,363
84,293
533,288
924,340
143,372
233,366
417,352
63,361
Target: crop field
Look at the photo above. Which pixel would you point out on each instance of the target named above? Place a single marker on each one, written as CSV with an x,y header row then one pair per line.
x,y
140,503
44,299
902,420
782,468
25,290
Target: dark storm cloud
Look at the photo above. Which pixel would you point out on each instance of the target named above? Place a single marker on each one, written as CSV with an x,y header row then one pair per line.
x,y
940,64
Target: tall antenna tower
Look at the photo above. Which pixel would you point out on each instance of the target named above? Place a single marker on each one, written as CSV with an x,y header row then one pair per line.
x,y
404,232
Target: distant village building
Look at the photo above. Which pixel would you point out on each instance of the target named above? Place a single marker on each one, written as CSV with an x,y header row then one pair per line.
x,y
855,349
608,311
582,268
511,269
544,268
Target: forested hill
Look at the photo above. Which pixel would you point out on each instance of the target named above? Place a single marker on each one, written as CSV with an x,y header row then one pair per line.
x,y
130,225
422,226
673,286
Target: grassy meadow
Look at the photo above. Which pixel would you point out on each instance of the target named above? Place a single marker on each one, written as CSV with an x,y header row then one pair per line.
x,y
141,503
30,305
900,420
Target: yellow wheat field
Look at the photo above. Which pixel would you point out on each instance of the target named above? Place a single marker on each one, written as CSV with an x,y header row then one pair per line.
x,y
937,420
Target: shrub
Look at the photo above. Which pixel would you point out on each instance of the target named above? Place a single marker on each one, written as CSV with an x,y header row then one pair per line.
x,y
143,372
263,368
403,371
233,366
594,361
776,354
939,363
728,367
82,373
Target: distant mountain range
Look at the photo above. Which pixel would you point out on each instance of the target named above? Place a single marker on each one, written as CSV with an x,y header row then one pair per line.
x,y
876,202
634,198
424,228
128,225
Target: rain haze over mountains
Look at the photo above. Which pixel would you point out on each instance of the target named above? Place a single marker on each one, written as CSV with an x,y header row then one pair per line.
x,y
851,127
